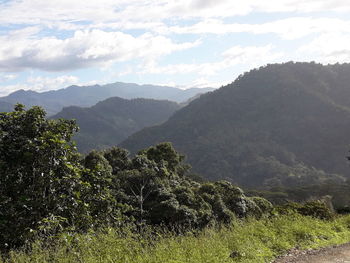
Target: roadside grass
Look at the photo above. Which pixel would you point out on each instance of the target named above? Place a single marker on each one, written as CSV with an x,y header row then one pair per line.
x,y
247,240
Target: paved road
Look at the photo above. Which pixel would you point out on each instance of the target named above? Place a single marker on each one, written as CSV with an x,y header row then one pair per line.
x,y
336,254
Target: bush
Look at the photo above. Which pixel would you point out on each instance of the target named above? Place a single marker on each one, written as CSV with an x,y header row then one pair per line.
x,y
40,174
264,207
316,209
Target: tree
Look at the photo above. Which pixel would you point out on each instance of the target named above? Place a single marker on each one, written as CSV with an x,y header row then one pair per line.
x,y
101,193
164,155
40,173
117,158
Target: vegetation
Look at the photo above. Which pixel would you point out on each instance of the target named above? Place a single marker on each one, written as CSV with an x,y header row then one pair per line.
x,y
242,241
40,174
57,205
337,195
46,187
276,126
111,121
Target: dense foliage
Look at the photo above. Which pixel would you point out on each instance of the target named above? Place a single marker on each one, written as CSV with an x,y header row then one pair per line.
x,y
47,187
39,174
270,128
338,195
110,121
279,125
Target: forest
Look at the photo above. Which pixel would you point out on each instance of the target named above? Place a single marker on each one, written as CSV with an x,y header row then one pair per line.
x,y
259,177
281,125
49,191
47,185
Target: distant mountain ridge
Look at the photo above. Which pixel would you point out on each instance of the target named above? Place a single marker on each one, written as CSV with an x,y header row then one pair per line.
x,y
5,106
110,121
283,124
86,96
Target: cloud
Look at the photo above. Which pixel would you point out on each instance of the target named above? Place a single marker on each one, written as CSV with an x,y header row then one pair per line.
x,y
41,84
86,48
7,77
205,83
46,83
107,34
252,56
328,48
289,28
73,15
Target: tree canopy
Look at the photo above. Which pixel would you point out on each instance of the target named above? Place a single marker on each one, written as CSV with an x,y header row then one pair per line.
x,y
47,186
40,173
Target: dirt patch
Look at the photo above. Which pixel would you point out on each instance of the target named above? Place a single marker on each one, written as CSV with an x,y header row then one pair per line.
x,y
334,254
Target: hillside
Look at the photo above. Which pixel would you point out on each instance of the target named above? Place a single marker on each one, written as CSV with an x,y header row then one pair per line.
x,y
283,124
5,106
86,96
110,121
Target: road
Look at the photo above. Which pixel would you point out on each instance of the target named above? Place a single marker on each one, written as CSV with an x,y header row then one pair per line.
x,y
335,254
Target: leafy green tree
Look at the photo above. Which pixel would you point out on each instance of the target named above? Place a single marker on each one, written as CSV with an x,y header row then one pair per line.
x,y
117,158
40,174
100,194
165,156
135,190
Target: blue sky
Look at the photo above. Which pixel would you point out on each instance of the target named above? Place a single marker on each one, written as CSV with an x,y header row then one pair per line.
x,y
52,44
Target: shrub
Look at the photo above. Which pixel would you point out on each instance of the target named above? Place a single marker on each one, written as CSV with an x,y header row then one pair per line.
x,y
316,209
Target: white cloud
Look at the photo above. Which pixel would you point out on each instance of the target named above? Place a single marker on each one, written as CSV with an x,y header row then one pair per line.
x,y
62,35
289,28
40,84
252,56
85,48
205,83
46,83
67,14
328,48
7,77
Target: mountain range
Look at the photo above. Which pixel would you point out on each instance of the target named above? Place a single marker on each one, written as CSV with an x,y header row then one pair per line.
x,y
86,96
282,124
111,121
278,125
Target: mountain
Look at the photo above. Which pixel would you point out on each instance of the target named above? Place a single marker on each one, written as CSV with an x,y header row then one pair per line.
x,y
279,125
5,106
110,121
86,96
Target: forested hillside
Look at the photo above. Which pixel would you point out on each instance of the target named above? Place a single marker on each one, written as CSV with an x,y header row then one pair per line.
x,y
86,96
57,205
283,124
111,121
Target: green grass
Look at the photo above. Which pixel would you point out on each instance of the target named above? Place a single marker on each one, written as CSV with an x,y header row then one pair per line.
x,y
250,240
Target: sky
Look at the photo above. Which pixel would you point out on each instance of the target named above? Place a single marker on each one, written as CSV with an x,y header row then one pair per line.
x,y
52,44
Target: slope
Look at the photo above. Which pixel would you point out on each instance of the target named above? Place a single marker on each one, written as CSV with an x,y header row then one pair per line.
x,y
283,124
5,106
110,121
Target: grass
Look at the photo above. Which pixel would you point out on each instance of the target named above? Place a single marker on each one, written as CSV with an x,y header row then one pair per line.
x,y
244,241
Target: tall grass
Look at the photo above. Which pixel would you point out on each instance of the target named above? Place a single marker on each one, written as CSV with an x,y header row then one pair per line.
x,y
244,241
